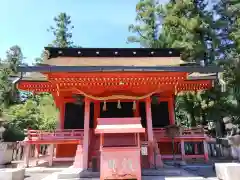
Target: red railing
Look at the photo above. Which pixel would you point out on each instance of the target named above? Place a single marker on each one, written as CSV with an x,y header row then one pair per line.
x,y
55,135
184,132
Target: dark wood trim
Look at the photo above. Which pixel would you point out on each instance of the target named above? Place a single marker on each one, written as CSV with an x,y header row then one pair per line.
x,y
48,69
112,52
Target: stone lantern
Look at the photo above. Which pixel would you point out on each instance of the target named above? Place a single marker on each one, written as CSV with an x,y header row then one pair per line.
x,y
234,141
173,131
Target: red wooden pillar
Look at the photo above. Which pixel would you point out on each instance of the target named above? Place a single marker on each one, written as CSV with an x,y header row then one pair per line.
x,y
171,110
60,104
86,133
149,130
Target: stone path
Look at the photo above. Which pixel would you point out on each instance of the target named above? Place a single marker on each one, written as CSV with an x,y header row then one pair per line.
x,y
36,176
189,172
203,171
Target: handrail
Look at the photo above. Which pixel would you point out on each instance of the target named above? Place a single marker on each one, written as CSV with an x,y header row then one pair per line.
x,y
185,132
57,134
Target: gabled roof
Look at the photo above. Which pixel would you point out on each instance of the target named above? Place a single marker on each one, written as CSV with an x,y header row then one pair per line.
x,y
112,57
115,60
112,52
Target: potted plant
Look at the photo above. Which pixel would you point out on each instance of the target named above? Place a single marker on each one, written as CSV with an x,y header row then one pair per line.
x,y
8,137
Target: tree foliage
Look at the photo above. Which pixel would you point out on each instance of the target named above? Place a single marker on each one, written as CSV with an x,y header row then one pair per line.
x,y
203,32
36,111
62,31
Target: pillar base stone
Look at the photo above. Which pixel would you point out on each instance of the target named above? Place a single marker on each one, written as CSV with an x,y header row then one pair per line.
x,y
227,171
78,161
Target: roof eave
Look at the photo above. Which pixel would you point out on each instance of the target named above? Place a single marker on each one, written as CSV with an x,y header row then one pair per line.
x,y
190,69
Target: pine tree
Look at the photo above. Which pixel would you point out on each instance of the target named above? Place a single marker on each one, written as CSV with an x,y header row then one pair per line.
x,y
14,58
62,34
228,28
183,24
147,23
190,25
178,24
8,93
62,31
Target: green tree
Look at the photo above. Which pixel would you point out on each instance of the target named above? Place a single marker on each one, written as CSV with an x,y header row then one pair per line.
x,y
62,31
47,110
37,112
8,93
14,58
191,27
183,24
147,23
228,28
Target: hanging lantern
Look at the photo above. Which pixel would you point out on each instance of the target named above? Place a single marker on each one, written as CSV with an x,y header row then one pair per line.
x,y
104,106
119,105
134,105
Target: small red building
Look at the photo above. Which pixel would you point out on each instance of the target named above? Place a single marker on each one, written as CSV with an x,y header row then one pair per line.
x,y
94,83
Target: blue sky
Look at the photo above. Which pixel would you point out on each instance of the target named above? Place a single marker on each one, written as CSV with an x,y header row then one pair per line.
x,y
98,23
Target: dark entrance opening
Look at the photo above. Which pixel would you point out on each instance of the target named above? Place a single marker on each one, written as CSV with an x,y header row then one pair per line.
x,y
74,116
113,111
142,113
74,113
160,115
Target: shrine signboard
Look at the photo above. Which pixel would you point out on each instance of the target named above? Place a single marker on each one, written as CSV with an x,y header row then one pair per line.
x,y
120,163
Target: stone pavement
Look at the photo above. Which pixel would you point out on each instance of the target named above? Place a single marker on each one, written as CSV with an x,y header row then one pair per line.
x,y
154,175
36,176
189,172
43,171
205,171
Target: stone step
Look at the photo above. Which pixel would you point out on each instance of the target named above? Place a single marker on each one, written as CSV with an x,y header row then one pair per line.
x,y
74,173
12,174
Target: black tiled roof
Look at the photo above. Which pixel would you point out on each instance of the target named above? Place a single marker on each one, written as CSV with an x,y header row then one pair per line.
x,y
112,52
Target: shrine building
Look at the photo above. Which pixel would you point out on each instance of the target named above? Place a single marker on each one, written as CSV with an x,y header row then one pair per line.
x,y
113,90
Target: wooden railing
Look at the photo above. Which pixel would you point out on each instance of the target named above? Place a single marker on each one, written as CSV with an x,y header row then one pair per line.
x,y
184,132
54,135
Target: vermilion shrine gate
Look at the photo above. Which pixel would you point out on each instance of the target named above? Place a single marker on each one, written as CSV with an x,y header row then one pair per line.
x,y
100,87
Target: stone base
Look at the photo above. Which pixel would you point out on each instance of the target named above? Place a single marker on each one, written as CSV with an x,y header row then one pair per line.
x,y
159,163
6,152
78,161
227,171
12,174
70,173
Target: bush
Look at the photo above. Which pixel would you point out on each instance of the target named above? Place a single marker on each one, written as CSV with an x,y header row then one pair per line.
x,y
13,135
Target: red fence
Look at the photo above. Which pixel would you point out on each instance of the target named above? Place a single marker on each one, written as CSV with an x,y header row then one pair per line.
x,y
55,135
